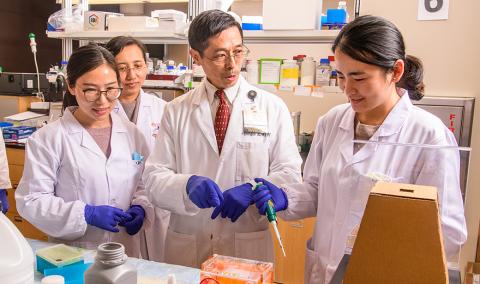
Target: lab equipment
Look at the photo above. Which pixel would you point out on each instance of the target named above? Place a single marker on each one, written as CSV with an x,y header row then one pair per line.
x,y
204,192
22,83
16,257
296,124
232,270
57,256
135,224
97,20
110,266
105,217
272,218
33,46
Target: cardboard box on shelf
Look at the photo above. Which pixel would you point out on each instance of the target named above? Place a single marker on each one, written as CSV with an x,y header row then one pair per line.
x,y
399,239
472,273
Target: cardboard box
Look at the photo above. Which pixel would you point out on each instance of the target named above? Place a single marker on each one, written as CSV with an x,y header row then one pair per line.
x,y
472,273
128,23
399,239
291,15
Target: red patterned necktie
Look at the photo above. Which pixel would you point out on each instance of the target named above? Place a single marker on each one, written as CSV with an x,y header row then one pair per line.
x,y
221,119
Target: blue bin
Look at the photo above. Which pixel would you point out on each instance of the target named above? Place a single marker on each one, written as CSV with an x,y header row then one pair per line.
x,y
72,273
336,16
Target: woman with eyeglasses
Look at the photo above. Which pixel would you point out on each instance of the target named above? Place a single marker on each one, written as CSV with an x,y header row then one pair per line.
x,y
82,179
146,111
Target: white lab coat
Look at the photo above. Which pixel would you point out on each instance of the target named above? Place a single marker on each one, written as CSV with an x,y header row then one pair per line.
x,y
148,121
336,187
4,174
65,169
189,147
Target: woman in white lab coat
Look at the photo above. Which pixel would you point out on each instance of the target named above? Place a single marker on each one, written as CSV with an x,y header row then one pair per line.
x,y
146,111
379,80
82,179
4,176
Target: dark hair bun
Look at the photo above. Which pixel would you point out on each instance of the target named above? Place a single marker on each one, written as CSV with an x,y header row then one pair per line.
x,y
412,79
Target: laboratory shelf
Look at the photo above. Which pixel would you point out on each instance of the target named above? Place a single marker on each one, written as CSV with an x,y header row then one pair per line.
x,y
161,37
148,37
290,36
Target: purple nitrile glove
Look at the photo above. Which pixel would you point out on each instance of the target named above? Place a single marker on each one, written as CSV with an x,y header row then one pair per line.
x,y
235,202
134,224
204,192
105,217
269,191
4,201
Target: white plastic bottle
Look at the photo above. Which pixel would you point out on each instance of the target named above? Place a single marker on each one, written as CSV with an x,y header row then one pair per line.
x,y
149,63
16,255
252,71
323,72
289,73
307,71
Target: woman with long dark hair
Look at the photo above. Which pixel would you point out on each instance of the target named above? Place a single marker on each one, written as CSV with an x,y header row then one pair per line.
x,y
82,179
380,80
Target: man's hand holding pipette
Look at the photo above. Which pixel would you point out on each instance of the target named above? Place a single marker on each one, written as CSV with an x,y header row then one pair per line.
x,y
269,191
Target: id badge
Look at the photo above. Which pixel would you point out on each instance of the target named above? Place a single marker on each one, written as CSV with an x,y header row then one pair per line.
x,y
255,122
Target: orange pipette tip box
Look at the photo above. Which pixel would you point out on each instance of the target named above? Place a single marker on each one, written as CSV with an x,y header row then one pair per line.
x,y
221,269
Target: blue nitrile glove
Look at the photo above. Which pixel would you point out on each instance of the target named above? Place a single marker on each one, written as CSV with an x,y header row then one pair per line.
x,y
204,192
135,224
4,200
105,217
269,191
235,201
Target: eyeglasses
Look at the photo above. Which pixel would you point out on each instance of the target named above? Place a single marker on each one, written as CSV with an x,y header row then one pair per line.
x,y
237,55
111,94
137,68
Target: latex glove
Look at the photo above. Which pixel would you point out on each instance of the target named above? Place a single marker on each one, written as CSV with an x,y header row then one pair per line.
x,y
269,191
4,200
235,202
134,225
204,192
105,217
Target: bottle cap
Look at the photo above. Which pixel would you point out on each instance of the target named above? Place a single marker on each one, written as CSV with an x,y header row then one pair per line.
x,y
324,61
53,279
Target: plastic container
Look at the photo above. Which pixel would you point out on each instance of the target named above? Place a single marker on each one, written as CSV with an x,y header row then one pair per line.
x,y
53,279
289,73
307,73
342,5
252,71
16,257
322,75
331,58
253,23
333,78
57,256
232,270
110,266
299,58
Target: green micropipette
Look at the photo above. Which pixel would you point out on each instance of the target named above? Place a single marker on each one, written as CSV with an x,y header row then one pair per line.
x,y
272,218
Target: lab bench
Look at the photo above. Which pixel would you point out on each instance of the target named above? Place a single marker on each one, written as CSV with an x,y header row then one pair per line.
x,y
147,271
16,157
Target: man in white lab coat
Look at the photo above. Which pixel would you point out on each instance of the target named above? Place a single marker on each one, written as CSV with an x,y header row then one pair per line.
x,y
216,140
146,111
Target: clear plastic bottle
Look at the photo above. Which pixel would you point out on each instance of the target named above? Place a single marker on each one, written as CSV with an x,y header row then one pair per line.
x,y
307,72
149,63
289,73
110,266
323,73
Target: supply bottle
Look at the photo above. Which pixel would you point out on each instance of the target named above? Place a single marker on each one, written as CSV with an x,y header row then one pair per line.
x,y
289,73
343,6
333,78
252,71
331,58
149,63
307,71
323,73
110,266
299,58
